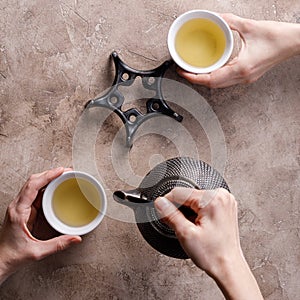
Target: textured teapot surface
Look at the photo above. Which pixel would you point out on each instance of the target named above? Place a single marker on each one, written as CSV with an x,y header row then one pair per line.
x,y
176,172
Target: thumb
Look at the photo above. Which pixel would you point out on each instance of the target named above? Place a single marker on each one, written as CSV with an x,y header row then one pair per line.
x,y
171,215
235,22
58,244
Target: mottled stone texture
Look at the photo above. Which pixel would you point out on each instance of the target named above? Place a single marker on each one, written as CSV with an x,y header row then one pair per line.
x,y
54,56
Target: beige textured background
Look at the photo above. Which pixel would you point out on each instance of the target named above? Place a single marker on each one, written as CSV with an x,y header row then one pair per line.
x,y
54,56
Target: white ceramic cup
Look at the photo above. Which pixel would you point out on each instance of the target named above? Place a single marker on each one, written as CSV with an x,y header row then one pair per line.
x,y
200,14
55,222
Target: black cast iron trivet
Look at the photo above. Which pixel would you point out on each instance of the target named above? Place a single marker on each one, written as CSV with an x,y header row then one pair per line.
x,y
114,99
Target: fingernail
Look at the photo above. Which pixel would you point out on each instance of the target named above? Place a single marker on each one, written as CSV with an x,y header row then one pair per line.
x,y
162,203
76,240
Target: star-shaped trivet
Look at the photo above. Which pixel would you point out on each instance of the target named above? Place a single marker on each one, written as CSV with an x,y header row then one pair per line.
x,y
114,99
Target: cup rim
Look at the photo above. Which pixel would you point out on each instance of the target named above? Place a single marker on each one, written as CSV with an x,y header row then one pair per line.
x,y
55,222
203,14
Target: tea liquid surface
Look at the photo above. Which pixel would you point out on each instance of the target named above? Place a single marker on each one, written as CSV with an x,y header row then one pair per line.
x,y
200,42
76,202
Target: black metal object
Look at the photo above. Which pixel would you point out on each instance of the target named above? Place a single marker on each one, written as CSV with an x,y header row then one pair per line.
x,y
177,172
133,118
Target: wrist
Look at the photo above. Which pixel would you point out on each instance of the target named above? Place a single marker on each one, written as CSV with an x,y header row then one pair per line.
x,y
4,269
288,38
236,280
292,31
6,265
297,38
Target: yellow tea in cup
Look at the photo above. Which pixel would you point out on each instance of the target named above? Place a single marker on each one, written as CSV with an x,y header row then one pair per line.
x,y
200,42
76,202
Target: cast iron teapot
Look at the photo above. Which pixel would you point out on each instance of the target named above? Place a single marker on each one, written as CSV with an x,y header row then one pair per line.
x,y
180,171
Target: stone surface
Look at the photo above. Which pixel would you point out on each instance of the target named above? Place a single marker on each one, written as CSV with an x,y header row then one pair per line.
x,y
54,57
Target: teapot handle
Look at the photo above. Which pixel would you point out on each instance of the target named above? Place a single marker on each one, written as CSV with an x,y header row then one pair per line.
x,y
131,198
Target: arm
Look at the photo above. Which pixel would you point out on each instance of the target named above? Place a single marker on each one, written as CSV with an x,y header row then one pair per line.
x,y
212,242
17,245
264,45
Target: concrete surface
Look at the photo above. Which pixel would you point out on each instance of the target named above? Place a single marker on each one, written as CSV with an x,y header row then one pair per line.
x,y
54,57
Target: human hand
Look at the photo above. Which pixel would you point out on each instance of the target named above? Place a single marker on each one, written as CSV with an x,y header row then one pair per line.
x,y
212,240
17,245
206,240
264,44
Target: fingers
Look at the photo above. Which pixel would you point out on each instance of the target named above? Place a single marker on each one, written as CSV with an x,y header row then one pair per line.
x,y
224,77
55,245
180,195
203,79
38,201
35,183
171,215
195,199
235,22
40,180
